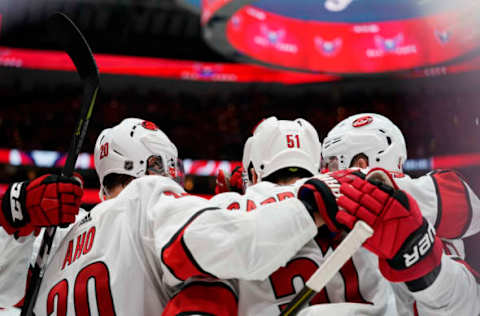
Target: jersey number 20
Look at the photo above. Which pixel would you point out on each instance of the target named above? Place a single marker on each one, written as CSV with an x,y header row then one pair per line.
x,y
97,271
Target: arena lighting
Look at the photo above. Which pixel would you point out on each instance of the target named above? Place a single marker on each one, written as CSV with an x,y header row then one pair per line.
x,y
343,36
191,70
157,67
53,159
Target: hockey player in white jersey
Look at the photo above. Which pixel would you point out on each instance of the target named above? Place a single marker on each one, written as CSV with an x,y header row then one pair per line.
x,y
278,155
443,286
371,140
27,207
131,253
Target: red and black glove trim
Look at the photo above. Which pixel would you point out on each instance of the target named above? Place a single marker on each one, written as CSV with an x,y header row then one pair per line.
x,y
177,257
407,246
345,176
14,217
419,245
13,205
416,247
425,281
317,197
420,255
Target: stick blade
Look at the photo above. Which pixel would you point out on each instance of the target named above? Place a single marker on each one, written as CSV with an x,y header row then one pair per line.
x,y
73,42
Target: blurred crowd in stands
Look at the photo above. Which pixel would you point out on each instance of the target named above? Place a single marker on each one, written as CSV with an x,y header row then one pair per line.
x,y
209,125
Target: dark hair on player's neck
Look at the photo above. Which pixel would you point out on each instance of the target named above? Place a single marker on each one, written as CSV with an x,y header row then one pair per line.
x,y
287,175
114,180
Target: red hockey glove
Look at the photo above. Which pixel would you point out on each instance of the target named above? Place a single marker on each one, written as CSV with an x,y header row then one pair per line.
x,y
49,200
320,193
405,243
234,183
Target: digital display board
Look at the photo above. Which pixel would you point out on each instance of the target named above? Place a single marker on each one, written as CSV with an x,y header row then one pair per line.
x,y
343,36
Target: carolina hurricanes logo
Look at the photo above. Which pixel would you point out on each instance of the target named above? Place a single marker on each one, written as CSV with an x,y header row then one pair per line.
x,y
328,48
172,172
150,126
362,121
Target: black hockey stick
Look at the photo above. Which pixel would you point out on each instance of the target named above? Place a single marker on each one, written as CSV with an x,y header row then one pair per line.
x,y
73,42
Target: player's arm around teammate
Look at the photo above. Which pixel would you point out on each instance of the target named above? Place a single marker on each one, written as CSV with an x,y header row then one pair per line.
x,y
176,236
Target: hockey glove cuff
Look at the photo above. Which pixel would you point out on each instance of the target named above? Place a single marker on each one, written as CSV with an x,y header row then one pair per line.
x,y
234,183
318,198
49,200
404,242
320,195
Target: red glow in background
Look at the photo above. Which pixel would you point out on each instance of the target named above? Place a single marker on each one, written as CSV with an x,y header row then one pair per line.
x,y
349,47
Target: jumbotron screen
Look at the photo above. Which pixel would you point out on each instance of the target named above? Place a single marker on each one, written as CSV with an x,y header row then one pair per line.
x,y
344,36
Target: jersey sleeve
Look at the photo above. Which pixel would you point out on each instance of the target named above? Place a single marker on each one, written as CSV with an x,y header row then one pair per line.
x,y
228,200
191,237
249,245
458,206
216,242
14,261
201,297
455,291
446,201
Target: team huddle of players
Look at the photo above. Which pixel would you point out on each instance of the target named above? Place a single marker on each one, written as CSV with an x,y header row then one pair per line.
x,y
152,249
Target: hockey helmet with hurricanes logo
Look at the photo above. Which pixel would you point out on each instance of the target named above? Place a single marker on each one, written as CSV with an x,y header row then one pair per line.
x,y
370,134
133,147
278,144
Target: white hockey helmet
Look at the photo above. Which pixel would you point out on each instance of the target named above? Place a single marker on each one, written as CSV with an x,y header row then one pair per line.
x,y
127,147
370,134
278,144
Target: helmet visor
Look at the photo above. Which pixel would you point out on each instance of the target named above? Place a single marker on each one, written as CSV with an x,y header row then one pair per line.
x,y
330,163
173,169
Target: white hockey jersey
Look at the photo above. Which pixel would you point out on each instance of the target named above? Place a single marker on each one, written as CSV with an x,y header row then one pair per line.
x,y
129,254
444,199
448,203
358,281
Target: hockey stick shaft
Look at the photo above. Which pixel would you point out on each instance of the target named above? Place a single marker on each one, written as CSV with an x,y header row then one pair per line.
x,y
350,244
77,48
